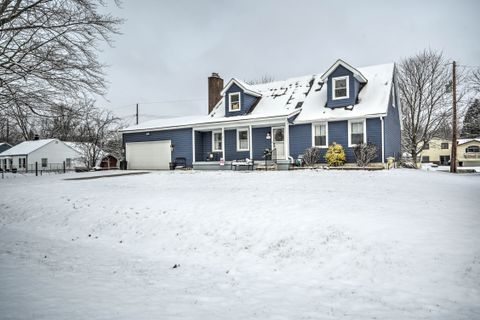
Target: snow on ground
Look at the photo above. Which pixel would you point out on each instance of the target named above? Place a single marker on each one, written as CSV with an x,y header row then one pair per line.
x,y
399,244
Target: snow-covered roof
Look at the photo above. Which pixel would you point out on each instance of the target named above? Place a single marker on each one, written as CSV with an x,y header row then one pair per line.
x,y
304,96
26,147
5,143
372,99
356,73
463,141
247,88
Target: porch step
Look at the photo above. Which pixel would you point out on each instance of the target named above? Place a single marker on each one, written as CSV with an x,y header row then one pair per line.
x,y
269,166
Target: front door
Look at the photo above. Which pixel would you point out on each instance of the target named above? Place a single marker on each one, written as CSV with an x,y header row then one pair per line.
x,y
278,143
445,160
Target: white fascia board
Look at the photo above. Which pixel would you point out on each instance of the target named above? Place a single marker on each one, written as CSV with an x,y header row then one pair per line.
x,y
226,122
241,123
156,129
357,74
245,90
319,120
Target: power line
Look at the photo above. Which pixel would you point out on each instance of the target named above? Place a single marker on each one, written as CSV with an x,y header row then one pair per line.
x,y
172,101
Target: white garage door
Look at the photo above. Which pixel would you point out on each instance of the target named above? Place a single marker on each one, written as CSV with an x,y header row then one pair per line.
x,y
148,155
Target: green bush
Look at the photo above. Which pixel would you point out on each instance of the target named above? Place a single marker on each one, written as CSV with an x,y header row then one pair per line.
x,y
335,155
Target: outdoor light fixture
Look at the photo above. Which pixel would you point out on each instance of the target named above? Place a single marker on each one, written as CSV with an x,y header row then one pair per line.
x,y
268,137
147,133
171,147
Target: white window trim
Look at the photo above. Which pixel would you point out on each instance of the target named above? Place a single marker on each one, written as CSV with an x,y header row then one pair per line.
x,y
213,140
230,101
350,131
326,134
248,139
334,96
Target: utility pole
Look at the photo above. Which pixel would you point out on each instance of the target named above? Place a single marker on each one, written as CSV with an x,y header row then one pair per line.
x,y
136,115
453,158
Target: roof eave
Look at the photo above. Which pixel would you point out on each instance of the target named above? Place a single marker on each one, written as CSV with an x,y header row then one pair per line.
x,y
245,90
357,74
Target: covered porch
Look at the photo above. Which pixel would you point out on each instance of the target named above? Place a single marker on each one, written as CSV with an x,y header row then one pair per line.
x,y
215,147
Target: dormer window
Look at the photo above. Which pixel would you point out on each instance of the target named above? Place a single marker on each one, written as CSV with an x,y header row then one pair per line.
x,y
340,88
234,104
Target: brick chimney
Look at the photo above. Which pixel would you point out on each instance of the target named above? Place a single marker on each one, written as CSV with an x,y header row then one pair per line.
x,y
215,86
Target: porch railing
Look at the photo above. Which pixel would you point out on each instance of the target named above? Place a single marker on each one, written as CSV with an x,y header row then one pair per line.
x,y
471,155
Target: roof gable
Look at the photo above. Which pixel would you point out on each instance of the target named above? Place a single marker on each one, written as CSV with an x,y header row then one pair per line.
x,y
245,87
357,74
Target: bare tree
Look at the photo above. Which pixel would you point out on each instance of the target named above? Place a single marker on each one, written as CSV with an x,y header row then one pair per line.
x,y
48,51
98,127
423,82
475,80
264,79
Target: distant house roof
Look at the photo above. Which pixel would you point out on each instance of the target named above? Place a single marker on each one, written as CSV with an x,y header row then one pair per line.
x,y
304,97
463,141
26,147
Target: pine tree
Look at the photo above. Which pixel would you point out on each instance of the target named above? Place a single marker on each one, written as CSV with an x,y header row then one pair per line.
x,y
471,122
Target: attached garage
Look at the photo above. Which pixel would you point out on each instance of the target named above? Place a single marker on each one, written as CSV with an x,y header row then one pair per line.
x,y
151,155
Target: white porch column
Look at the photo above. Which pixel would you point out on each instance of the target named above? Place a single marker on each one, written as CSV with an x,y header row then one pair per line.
x,y
250,141
223,143
193,145
383,140
287,140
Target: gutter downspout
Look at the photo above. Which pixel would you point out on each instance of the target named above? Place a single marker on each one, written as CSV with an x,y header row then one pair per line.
x,y
383,140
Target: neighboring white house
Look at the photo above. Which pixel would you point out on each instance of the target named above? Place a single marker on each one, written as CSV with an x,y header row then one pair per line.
x,y
104,160
49,154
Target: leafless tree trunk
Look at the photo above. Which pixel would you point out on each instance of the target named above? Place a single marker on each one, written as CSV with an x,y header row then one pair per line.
x,y
423,82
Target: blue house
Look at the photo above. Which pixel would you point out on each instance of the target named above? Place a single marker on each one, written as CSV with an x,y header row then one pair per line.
x,y
345,105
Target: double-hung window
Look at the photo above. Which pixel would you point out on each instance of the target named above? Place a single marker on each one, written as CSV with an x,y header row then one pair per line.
x,y
242,140
444,145
340,88
44,162
217,141
356,132
234,103
320,135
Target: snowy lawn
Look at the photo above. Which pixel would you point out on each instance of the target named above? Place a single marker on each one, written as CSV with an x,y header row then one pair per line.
x,y
399,244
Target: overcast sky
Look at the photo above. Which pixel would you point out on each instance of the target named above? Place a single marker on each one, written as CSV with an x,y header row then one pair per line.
x,y
167,49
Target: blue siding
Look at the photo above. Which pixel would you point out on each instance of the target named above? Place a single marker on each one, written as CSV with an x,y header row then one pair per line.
x,y
181,139
259,142
231,152
200,154
246,101
300,139
374,135
206,146
392,130
354,87
338,132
